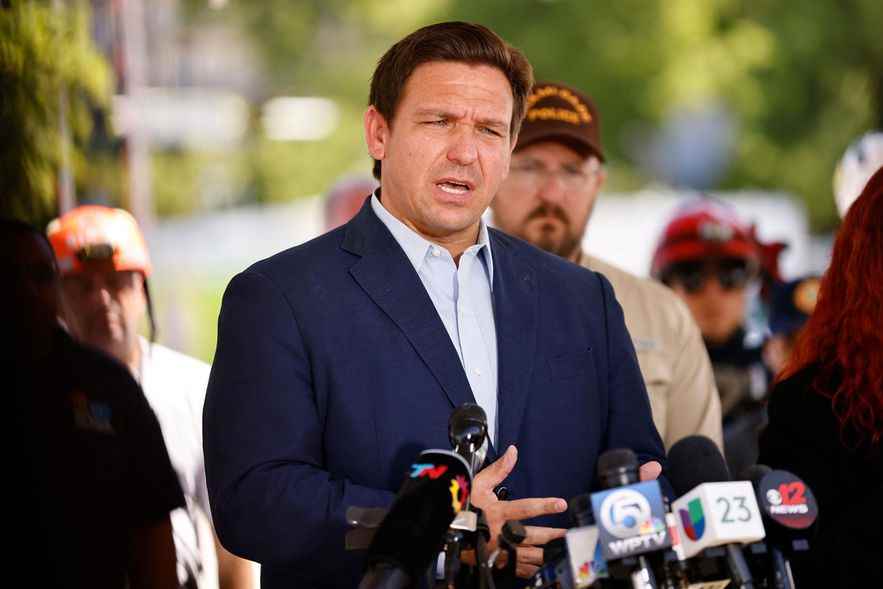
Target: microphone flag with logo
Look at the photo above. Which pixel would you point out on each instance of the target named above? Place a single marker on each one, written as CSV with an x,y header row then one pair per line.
x,y
436,488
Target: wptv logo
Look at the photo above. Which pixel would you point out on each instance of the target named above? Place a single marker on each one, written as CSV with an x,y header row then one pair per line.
x,y
632,520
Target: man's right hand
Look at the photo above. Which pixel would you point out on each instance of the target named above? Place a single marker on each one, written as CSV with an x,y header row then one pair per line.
x,y
497,512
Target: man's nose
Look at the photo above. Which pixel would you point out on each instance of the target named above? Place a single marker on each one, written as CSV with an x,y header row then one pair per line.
x,y
463,150
551,188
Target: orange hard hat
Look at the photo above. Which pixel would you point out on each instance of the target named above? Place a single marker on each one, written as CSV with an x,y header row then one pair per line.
x,y
94,232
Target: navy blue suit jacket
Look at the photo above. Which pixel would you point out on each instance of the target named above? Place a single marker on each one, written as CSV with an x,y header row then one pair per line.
x,y
333,370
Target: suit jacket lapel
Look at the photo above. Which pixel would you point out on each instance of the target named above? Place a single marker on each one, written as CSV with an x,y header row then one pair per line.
x,y
515,316
388,278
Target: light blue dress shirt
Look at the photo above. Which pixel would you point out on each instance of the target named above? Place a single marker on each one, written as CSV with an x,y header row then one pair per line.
x,y
462,297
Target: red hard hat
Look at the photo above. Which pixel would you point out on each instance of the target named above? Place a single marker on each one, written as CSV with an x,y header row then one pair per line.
x,y
704,228
98,232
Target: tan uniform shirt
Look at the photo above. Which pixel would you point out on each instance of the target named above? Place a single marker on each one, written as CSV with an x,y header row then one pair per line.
x,y
672,356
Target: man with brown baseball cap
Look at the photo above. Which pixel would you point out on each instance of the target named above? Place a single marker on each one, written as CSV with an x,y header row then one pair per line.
x,y
555,176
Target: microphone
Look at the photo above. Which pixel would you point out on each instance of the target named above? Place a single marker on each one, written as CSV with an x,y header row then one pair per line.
x,y
789,510
631,518
556,571
467,431
587,564
436,488
712,510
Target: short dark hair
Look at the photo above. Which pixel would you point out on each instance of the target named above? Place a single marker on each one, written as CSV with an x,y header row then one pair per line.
x,y
448,41
10,226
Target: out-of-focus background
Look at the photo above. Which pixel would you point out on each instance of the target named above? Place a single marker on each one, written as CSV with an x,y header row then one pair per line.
x,y
220,123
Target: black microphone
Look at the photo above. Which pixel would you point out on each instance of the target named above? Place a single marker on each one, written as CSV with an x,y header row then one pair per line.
x,y
789,510
555,572
631,519
436,488
467,431
715,515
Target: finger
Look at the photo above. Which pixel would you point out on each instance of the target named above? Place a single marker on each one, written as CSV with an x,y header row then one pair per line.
x,y
496,472
529,555
526,571
650,470
539,535
532,507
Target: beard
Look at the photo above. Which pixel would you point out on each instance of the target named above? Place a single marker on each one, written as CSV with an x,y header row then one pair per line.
x,y
547,235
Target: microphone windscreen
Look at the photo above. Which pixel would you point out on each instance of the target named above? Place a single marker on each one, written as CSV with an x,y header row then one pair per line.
x,y
755,473
618,458
412,533
695,460
467,422
554,550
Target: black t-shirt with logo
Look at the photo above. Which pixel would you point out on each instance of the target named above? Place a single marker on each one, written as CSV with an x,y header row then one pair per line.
x,y
96,466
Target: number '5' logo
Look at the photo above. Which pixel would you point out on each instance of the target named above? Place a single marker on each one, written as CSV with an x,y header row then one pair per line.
x,y
734,510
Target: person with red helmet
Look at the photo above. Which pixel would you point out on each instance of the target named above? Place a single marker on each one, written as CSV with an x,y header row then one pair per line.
x,y
105,266
711,258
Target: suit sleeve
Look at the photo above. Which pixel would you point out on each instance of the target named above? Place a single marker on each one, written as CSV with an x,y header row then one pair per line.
x,y
693,406
271,499
629,419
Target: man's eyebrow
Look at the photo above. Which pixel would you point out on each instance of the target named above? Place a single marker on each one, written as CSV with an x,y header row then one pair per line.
x,y
435,112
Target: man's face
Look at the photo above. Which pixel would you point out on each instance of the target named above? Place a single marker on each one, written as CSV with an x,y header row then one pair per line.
x,y
105,306
31,301
548,197
447,149
716,293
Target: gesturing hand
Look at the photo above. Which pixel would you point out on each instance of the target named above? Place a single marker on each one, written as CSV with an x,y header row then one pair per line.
x,y
497,512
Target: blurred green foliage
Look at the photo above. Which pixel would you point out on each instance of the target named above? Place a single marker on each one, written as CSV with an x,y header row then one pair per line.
x,y
44,53
801,79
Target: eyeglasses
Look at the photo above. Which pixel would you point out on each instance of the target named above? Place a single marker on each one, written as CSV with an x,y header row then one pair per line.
x,y
692,276
535,174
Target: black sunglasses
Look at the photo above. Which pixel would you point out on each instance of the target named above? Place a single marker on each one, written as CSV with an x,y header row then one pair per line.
x,y
692,276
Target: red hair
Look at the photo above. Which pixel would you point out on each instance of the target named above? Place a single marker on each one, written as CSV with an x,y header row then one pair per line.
x,y
844,335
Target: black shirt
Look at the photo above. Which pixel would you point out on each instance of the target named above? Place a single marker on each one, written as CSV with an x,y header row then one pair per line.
x,y
845,473
95,467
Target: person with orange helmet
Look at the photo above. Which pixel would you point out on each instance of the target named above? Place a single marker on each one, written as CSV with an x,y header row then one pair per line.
x,y
105,266
94,488
711,259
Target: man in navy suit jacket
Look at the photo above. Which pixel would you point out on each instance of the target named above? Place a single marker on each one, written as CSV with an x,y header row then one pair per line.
x,y
338,360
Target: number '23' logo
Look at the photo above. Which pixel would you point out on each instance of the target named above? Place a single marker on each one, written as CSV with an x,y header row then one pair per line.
x,y
734,509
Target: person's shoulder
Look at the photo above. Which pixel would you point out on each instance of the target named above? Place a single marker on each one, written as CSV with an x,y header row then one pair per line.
x,y
295,261
173,370
96,368
800,395
647,293
550,265
173,359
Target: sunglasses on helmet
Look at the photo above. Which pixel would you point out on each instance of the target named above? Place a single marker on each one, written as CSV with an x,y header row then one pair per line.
x,y
692,276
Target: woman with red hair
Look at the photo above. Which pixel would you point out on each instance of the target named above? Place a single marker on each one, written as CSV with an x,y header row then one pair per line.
x,y
826,412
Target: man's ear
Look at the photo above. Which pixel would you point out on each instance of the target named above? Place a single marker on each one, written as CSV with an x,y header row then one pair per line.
x,y
602,177
376,133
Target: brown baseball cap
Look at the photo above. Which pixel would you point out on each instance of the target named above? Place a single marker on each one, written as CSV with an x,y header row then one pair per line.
x,y
556,112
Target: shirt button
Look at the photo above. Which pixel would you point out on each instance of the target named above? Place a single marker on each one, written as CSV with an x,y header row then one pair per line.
x,y
435,252
477,372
